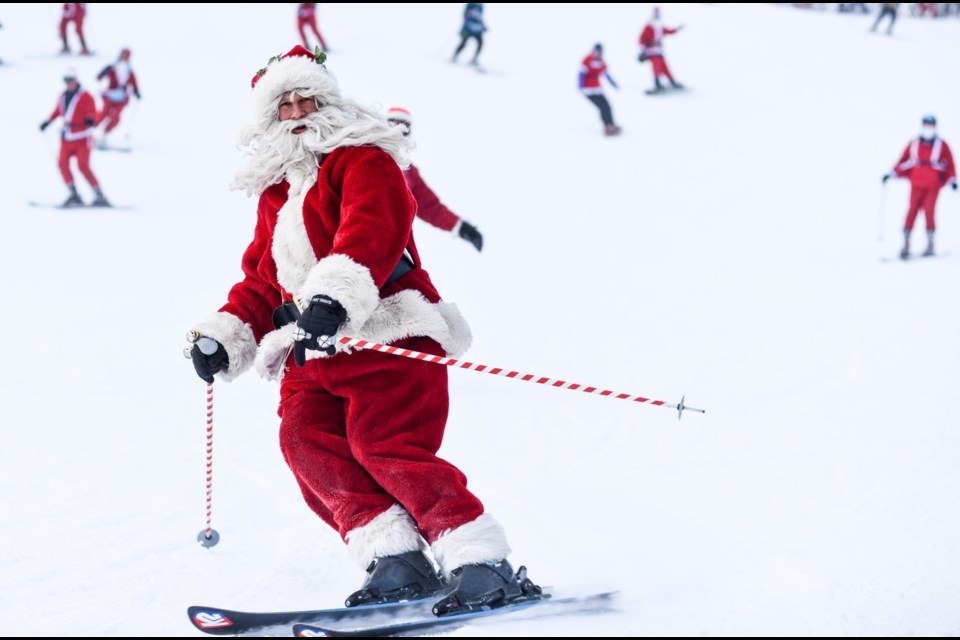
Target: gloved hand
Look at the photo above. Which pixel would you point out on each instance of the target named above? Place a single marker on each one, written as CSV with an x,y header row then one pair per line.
x,y
44,125
886,177
209,357
317,326
89,121
136,93
953,185
469,233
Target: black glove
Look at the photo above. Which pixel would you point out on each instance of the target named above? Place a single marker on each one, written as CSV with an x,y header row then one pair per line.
x,y
44,125
208,364
317,324
953,185
136,93
886,177
469,233
89,121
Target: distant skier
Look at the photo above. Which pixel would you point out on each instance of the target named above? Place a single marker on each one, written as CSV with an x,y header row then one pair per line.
x,y
429,207
651,48
928,164
887,9
592,69
121,84
307,21
79,112
74,12
473,29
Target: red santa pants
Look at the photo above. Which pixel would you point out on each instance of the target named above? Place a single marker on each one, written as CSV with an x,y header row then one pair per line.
x,y
360,431
78,25
922,198
660,68
111,113
81,150
311,24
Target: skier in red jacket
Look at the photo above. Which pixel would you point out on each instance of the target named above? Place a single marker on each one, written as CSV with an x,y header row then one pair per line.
x,y
429,207
121,84
307,21
73,12
928,163
651,48
79,113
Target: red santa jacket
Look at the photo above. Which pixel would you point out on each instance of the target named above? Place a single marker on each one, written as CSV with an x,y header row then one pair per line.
x,y
591,70
79,112
429,207
339,232
926,164
307,12
121,81
651,38
74,11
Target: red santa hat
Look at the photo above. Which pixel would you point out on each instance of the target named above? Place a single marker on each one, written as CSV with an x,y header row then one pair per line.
x,y
399,114
296,69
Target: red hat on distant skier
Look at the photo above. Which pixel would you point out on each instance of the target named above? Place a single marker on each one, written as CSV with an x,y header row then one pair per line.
x,y
298,69
399,114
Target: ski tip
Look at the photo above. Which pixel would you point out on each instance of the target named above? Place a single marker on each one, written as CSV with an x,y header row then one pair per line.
x,y
210,620
301,630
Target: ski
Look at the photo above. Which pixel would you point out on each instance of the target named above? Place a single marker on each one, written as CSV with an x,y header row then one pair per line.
x,y
226,622
51,205
528,609
914,258
664,90
113,148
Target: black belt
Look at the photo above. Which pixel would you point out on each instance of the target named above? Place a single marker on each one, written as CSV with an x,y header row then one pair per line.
x,y
288,312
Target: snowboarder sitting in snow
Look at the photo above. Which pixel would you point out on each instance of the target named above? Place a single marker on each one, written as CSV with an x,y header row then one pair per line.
x,y
79,112
928,163
359,429
429,207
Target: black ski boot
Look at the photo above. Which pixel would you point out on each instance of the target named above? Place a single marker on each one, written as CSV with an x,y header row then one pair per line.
x,y
487,586
408,576
74,199
99,200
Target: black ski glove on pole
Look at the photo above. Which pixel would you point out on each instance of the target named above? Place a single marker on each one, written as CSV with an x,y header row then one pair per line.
x,y
209,357
317,326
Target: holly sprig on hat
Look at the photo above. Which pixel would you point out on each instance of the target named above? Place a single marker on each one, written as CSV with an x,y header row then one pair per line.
x,y
319,56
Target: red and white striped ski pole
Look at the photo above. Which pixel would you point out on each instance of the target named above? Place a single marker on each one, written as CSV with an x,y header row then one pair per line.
x,y
208,536
516,375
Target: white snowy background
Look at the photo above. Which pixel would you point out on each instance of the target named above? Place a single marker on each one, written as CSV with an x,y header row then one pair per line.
x,y
727,247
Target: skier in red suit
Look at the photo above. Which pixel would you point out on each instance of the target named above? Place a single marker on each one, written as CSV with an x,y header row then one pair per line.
x,y
79,112
307,20
429,207
121,84
73,12
359,429
651,46
928,163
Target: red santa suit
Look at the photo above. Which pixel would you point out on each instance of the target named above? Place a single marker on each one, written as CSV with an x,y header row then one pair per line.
x,y
307,20
79,113
121,84
359,429
429,207
73,12
651,42
929,166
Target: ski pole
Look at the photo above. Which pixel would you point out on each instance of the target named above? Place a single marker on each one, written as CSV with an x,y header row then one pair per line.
x,y
883,210
208,537
526,377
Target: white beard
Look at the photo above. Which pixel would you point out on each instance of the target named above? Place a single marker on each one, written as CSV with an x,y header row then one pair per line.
x,y
276,153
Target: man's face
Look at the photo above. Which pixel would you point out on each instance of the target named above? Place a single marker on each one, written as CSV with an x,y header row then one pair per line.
x,y
294,107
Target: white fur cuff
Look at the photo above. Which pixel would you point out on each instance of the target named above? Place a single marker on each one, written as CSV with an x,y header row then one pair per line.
x,y
477,542
389,534
236,337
